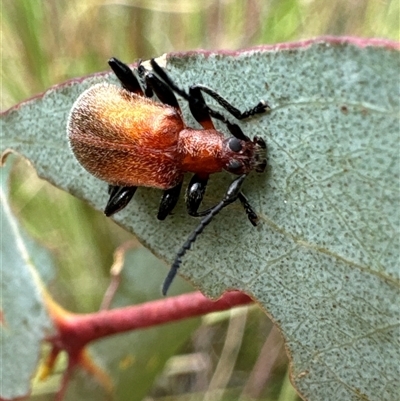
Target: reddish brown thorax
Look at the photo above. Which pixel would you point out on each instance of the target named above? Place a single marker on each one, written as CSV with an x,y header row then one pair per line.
x,y
201,150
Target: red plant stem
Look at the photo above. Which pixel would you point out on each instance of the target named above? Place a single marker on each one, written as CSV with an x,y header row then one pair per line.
x,y
75,331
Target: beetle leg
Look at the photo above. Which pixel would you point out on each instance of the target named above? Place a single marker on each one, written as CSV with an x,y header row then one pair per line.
x,y
251,214
125,75
161,89
119,198
260,107
169,201
195,193
199,109
202,112
197,104
164,76
231,195
148,91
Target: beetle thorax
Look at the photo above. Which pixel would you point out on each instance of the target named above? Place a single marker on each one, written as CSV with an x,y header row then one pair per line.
x,y
201,150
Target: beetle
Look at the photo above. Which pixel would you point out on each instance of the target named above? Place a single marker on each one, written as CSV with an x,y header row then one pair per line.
x,y
125,138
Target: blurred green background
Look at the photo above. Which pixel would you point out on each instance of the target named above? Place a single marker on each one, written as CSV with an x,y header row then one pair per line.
x,y
48,42
45,43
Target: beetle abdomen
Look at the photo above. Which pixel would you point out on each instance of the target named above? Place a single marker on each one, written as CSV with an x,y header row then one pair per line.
x,y
125,139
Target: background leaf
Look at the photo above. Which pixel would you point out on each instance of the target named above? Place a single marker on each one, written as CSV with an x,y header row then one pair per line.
x,y
24,319
25,324
323,261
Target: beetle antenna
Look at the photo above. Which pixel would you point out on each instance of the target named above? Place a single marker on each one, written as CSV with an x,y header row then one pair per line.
x,y
231,195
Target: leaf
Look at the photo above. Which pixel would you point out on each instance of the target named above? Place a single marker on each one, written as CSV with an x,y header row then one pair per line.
x,y
24,323
24,319
323,262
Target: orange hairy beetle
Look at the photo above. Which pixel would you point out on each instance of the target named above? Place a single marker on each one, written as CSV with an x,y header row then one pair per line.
x,y
122,137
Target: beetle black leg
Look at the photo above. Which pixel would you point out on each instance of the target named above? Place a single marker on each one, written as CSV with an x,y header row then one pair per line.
x,y
251,214
195,193
125,75
119,198
142,75
161,89
199,109
202,112
164,76
169,201
230,196
197,104
260,107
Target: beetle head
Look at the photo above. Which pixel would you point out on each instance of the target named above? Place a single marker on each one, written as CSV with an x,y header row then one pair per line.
x,y
242,156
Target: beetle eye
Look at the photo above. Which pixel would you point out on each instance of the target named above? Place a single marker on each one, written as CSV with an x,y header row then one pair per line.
x,y
235,145
234,165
